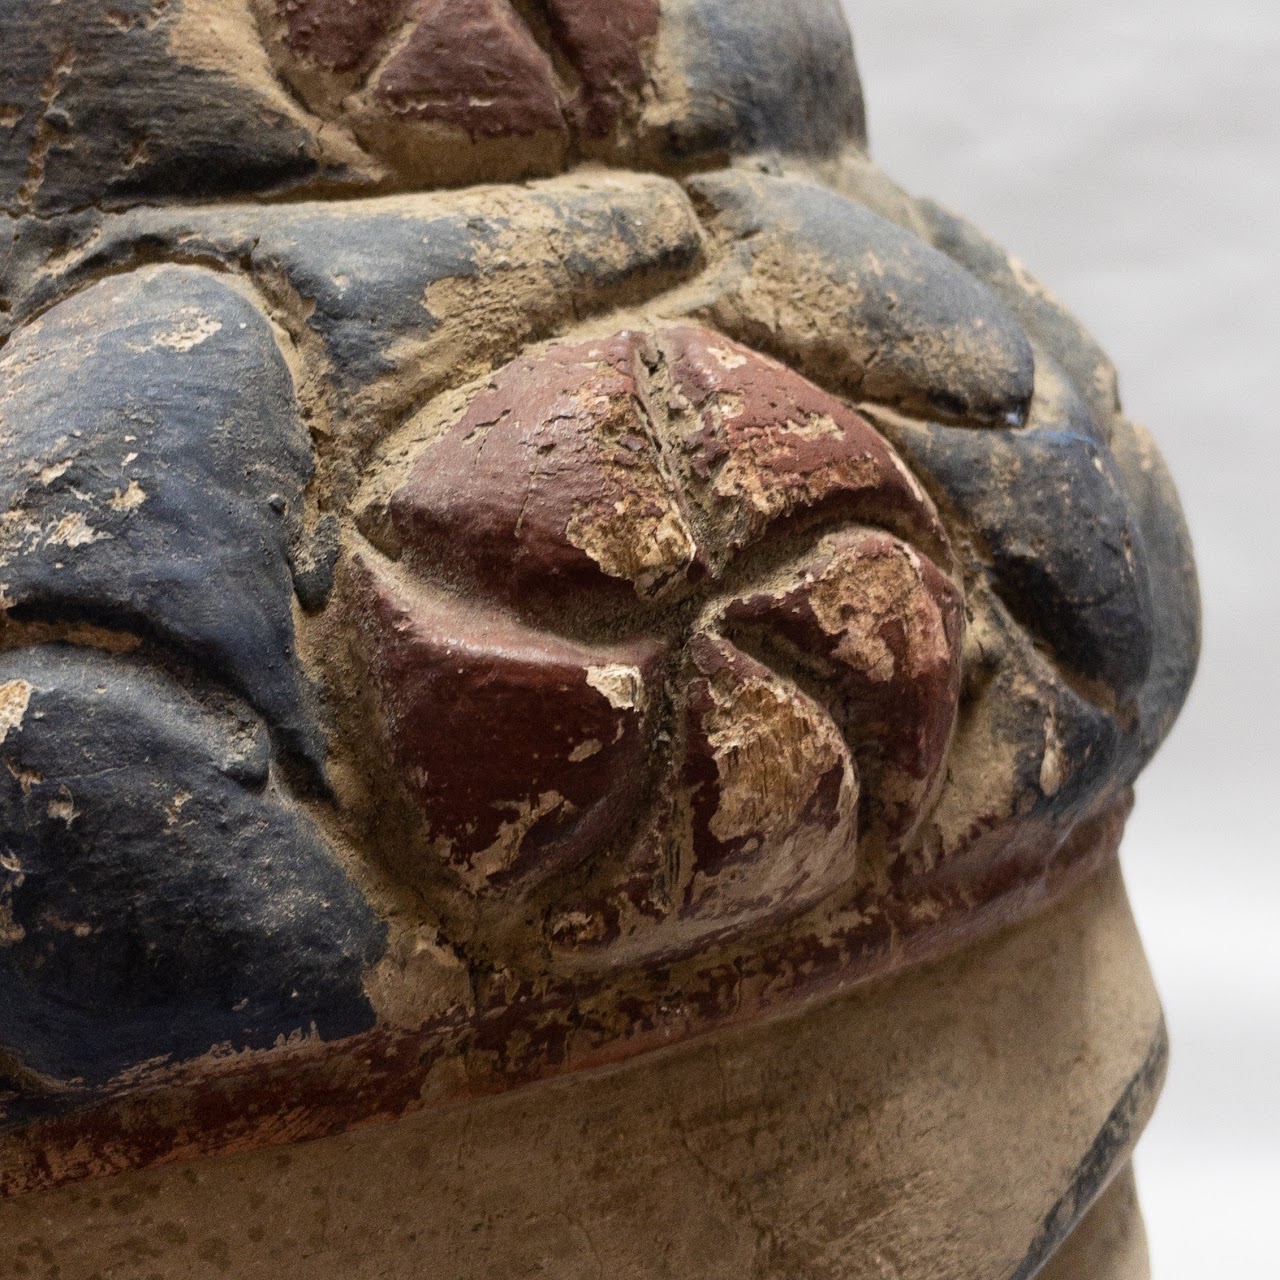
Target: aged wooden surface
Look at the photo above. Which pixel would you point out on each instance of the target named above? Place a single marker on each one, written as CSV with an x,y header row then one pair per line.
x,y
954,1121
519,548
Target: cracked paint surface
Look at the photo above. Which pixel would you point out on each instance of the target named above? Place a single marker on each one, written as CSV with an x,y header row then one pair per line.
x,y
517,547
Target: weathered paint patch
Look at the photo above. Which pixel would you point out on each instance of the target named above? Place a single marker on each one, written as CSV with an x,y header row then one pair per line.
x,y
771,751
752,76
562,474
153,479
337,34
113,105
996,805
74,531
130,498
1175,595
405,293
1066,554
164,897
474,65
860,305
761,445
1045,318
553,477
525,752
773,793
622,685
198,98
880,629
188,335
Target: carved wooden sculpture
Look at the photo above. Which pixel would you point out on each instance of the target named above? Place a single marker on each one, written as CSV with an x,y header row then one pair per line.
x,y
521,549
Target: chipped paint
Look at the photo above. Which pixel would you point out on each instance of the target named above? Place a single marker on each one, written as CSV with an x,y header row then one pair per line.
x,y
190,334
74,531
635,539
62,807
853,599
770,751
727,358
129,498
622,686
646,543
504,852
173,810
15,698
1054,765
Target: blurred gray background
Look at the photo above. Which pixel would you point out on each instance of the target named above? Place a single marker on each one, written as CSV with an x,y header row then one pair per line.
x,y
1129,152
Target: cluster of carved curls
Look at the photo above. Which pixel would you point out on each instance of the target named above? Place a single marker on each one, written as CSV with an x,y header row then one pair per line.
x,y
662,636
471,65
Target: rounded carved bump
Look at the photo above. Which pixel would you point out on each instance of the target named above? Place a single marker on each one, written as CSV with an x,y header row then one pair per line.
x,y
472,65
553,477
882,627
525,751
777,674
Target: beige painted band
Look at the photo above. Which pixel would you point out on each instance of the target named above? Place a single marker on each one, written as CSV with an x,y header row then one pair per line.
x,y
947,1122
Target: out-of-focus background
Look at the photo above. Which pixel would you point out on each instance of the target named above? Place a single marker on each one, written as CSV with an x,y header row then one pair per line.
x,y
1129,152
